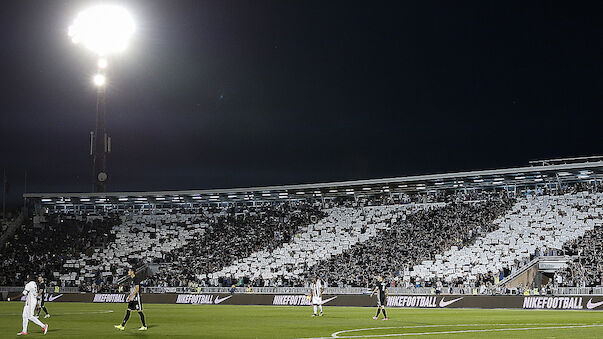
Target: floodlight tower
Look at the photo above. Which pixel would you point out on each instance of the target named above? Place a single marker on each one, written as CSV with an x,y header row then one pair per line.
x,y
105,30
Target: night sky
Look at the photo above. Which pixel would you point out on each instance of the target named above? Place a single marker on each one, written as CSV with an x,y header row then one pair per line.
x,y
220,94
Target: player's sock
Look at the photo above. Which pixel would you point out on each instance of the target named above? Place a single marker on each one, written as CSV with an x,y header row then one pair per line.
x,y
314,306
384,314
378,311
142,319
36,321
123,323
320,308
45,310
25,322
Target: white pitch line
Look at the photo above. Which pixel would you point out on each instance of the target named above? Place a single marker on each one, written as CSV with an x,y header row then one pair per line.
x,y
334,335
72,313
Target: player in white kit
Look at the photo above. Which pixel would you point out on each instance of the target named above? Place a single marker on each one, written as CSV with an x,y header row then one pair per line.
x,y
31,300
316,294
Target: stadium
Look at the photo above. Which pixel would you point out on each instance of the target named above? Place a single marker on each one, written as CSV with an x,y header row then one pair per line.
x,y
301,169
512,239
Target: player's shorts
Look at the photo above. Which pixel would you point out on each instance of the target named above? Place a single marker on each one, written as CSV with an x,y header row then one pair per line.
x,y
135,305
381,299
29,310
41,301
316,300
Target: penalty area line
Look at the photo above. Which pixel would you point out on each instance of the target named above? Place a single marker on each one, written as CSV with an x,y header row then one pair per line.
x,y
334,335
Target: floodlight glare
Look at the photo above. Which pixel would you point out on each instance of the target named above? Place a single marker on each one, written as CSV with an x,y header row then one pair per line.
x,y
99,80
102,63
104,29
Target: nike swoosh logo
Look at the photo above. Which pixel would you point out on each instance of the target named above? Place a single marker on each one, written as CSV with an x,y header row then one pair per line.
x,y
219,300
446,303
590,304
327,300
51,298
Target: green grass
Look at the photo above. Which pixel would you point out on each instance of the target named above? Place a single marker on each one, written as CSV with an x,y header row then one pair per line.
x,y
79,320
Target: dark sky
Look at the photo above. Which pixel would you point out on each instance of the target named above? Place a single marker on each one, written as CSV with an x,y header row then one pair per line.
x,y
217,94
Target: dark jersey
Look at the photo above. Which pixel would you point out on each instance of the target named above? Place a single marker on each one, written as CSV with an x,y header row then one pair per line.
x,y
133,283
41,289
381,287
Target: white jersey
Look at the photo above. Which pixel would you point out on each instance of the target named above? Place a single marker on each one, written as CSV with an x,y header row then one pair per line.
x,y
31,293
316,288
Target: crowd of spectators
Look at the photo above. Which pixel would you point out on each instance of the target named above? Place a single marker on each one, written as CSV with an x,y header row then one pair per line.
x,y
236,232
43,249
231,235
586,269
421,236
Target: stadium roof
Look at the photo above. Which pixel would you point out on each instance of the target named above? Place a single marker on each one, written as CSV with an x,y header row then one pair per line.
x,y
482,179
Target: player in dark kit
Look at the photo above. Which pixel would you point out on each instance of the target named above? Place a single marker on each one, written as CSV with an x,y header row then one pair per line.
x,y
41,297
381,291
134,302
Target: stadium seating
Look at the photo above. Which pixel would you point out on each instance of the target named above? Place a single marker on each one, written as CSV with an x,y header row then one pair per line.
x,y
587,267
534,223
423,234
331,236
138,238
45,250
450,241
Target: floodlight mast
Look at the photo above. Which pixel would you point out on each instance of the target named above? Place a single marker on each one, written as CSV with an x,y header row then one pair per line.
x,y
105,30
100,139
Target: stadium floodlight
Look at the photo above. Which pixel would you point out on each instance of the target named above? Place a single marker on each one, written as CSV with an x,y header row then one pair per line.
x,y
103,29
99,80
102,63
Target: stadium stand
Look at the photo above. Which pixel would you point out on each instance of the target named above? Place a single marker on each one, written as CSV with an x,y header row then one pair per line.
x,y
337,233
422,236
459,238
49,250
233,234
587,268
533,226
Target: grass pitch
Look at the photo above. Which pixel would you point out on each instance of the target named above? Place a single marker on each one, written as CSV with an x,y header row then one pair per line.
x,y
79,320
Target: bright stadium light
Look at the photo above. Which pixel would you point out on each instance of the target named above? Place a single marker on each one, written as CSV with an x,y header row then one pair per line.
x,y
102,63
99,80
103,29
